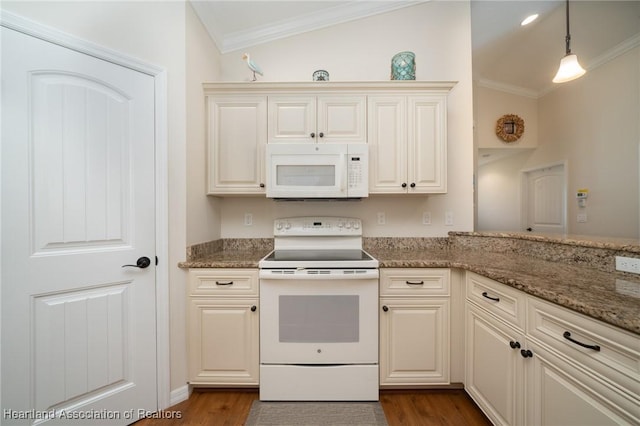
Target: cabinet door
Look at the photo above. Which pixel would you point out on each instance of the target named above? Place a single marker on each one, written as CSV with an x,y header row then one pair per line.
x,y
494,368
236,138
342,119
427,144
414,341
223,341
561,394
387,118
292,119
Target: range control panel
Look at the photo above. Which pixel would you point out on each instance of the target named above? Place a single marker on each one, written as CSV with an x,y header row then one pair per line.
x,y
317,226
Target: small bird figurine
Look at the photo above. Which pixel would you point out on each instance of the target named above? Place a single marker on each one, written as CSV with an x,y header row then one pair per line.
x,y
252,66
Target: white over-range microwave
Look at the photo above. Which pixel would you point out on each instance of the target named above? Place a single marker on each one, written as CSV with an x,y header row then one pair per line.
x,y
316,171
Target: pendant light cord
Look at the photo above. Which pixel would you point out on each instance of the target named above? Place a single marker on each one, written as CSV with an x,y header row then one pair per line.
x,y
568,37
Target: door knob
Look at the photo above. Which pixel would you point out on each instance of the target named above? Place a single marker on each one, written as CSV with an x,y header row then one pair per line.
x,y
142,262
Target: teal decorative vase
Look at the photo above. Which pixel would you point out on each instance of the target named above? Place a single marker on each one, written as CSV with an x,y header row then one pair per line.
x,y
403,66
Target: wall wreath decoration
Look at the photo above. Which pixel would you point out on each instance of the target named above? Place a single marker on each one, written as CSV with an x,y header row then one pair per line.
x,y
510,128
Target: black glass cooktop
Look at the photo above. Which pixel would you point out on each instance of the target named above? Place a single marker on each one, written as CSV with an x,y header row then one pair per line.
x,y
317,255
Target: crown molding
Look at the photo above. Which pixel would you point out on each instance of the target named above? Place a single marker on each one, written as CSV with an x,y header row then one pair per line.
x,y
507,88
305,23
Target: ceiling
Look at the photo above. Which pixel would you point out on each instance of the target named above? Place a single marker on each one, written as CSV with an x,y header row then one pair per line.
x,y
505,55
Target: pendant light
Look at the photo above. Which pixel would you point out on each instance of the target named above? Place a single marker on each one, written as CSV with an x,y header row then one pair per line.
x,y
569,69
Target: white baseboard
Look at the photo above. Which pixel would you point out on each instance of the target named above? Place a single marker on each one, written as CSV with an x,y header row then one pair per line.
x,y
178,395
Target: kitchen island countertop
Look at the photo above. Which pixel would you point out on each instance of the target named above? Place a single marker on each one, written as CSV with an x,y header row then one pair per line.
x,y
608,297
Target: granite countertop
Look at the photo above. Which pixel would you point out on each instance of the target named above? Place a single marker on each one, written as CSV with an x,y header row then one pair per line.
x,y
226,259
590,292
610,297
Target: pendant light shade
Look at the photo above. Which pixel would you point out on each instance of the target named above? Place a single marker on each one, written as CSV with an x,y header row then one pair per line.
x,y
570,68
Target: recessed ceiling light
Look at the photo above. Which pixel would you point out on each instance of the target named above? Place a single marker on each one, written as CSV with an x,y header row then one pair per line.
x,y
529,19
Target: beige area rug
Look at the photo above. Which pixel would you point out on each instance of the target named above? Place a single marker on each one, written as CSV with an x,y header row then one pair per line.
x,y
316,413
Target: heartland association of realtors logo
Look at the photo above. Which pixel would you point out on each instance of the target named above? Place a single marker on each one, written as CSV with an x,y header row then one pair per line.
x,y
9,414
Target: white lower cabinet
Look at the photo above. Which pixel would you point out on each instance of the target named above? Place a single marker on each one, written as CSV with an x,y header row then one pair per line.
x,y
223,327
494,375
521,369
414,327
560,393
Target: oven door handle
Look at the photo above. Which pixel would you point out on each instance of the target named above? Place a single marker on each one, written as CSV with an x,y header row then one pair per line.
x,y
308,275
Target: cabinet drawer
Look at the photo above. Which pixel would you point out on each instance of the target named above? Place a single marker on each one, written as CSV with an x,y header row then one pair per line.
x,y
223,282
507,303
611,352
414,282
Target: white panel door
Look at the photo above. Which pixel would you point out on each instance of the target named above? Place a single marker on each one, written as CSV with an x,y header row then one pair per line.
x,y
78,337
545,200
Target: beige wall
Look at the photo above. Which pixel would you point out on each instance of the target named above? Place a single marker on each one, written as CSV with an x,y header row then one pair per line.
x,y
493,104
202,212
362,50
203,64
593,124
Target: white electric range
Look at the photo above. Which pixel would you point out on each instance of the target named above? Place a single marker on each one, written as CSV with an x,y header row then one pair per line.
x,y
318,313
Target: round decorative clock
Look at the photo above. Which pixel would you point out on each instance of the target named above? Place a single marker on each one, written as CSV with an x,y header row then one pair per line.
x,y
510,128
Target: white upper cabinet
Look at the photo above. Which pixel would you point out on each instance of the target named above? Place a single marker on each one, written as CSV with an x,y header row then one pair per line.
x,y
317,119
408,143
237,136
403,122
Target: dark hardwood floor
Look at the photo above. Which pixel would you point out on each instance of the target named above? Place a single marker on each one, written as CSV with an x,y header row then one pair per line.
x,y
401,407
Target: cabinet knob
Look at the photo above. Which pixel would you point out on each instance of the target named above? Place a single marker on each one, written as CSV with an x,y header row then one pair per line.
x,y
253,308
413,185
404,184
514,345
526,353
313,135
321,135
385,308
262,185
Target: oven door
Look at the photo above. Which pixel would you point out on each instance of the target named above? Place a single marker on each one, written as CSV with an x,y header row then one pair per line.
x,y
306,171
319,320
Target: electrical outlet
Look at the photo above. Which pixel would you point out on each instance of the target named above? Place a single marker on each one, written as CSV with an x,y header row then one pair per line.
x,y
426,218
248,219
448,218
582,217
628,264
382,219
